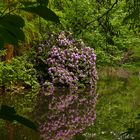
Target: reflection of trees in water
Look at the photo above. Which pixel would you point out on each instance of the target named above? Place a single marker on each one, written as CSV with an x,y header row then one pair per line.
x,y
132,133
63,115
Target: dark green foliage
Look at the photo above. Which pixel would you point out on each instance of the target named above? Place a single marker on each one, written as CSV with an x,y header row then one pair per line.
x,y
133,15
10,29
9,114
19,71
43,12
33,3
14,20
138,116
43,2
11,25
28,3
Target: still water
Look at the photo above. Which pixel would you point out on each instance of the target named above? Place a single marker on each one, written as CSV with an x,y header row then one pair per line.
x,y
88,116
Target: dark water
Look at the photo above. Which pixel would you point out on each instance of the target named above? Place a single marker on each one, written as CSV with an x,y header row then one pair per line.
x,y
65,114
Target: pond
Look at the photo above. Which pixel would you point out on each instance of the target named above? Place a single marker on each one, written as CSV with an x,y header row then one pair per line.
x,y
118,104
88,116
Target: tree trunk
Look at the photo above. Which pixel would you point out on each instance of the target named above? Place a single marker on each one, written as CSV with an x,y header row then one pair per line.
x,y
9,52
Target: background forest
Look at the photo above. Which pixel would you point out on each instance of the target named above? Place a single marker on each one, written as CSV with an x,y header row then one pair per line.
x,y
108,30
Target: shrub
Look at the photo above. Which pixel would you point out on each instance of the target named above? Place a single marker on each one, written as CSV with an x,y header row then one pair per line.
x,y
18,72
65,61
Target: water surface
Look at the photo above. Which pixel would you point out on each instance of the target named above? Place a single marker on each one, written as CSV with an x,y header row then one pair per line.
x,y
65,114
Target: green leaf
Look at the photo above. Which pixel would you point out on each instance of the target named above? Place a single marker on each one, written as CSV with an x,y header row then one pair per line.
x,y
14,20
28,3
7,36
43,12
43,2
10,29
14,30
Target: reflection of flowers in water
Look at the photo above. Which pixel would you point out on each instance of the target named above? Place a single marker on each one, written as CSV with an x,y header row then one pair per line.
x,y
66,114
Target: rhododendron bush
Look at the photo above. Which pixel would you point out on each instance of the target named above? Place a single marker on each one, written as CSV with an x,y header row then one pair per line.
x,y
66,62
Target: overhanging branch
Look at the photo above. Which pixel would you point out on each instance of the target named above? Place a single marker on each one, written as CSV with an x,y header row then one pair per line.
x,y
97,19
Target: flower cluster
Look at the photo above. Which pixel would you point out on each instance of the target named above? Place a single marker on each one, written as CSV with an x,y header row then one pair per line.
x,y
69,62
67,114
62,40
70,66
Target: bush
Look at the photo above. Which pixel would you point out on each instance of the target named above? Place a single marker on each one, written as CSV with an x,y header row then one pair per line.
x,y
65,61
18,72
